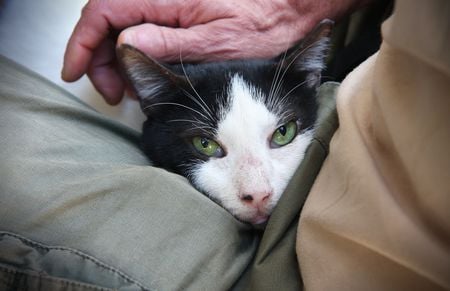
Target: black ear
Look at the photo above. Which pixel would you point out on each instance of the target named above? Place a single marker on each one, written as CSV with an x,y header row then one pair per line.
x,y
309,54
152,82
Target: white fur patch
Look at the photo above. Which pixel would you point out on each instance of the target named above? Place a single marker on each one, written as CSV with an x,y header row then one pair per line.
x,y
312,58
250,166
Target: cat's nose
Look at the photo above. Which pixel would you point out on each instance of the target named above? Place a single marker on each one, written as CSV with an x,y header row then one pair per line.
x,y
256,199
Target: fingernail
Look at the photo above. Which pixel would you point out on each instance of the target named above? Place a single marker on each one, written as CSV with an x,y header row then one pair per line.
x,y
67,72
128,37
64,74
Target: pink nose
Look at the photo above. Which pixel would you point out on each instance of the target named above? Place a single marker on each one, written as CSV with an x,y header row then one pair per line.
x,y
256,199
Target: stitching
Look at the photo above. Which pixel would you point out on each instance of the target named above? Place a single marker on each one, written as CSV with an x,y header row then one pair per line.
x,y
322,144
75,252
53,279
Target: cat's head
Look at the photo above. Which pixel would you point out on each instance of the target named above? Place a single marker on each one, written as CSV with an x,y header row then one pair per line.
x,y
236,129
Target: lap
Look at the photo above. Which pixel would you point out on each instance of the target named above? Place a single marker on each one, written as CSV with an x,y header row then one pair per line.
x,y
82,204
76,184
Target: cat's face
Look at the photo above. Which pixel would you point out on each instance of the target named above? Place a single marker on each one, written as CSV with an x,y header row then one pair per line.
x,y
237,130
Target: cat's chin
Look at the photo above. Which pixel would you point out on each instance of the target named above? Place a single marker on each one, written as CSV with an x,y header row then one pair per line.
x,y
259,221
260,226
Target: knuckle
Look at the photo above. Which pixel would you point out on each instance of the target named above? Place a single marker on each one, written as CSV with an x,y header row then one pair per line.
x,y
93,6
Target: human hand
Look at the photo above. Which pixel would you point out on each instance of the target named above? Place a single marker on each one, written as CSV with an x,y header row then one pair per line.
x,y
195,30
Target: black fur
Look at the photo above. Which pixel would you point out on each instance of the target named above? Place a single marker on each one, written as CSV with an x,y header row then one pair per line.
x,y
167,142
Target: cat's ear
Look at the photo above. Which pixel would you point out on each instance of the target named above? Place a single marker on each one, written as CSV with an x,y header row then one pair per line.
x,y
308,56
152,82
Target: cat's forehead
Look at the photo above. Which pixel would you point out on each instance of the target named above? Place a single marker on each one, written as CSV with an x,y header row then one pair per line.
x,y
263,80
215,89
246,117
211,78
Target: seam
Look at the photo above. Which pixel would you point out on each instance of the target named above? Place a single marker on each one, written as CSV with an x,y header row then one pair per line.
x,y
94,260
322,144
11,270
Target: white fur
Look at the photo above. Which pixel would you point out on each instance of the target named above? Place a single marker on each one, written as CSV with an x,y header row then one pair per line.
x,y
250,166
312,58
147,82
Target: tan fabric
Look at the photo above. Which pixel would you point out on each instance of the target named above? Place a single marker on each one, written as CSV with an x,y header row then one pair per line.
x,y
378,216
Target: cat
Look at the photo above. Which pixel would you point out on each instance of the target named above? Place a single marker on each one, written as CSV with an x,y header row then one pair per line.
x,y
238,129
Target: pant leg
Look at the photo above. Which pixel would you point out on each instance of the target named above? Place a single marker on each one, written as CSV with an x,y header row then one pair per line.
x,y
377,217
80,204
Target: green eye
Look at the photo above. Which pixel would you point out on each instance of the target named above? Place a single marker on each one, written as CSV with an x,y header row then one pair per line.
x,y
284,134
207,146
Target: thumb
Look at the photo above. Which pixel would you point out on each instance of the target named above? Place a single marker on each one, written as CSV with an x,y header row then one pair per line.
x,y
169,44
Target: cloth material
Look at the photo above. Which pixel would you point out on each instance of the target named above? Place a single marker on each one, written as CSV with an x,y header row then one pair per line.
x,y
82,209
76,184
377,217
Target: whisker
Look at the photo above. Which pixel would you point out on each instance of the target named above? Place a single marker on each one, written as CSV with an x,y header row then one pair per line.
x,y
294,59
278,71
204,106
290,91
175,104
282,102
188,121
206,129
275,79
196,123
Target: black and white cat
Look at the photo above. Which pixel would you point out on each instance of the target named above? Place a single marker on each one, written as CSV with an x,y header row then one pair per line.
x,y
236,129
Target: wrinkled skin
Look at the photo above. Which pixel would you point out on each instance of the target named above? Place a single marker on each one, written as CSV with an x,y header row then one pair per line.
x,y
197,30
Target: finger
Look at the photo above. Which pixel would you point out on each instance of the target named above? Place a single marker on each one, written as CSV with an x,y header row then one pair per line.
x,y
86,37
97,20
104,74
219,40
197,43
